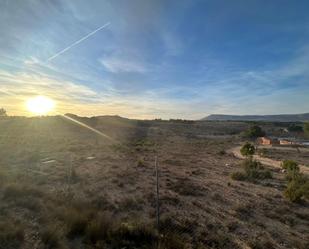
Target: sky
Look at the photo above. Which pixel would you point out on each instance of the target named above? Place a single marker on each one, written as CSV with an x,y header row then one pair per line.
x,y
156,58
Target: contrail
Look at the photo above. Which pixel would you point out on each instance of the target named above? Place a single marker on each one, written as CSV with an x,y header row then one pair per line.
x,y
77,42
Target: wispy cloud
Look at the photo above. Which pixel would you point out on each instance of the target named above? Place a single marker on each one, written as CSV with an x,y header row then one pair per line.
x,y
122,65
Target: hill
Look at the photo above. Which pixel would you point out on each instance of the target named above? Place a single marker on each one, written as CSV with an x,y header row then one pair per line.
x,y
272,118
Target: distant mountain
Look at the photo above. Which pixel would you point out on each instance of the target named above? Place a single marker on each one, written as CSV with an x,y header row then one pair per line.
x,y
272,118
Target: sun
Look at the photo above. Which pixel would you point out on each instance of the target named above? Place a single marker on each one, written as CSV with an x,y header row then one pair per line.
x,y
40,105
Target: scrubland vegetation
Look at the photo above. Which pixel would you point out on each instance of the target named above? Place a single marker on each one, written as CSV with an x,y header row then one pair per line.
x,y
298,183
62,186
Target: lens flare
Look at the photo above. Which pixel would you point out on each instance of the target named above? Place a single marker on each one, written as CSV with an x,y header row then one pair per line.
x,y
40,105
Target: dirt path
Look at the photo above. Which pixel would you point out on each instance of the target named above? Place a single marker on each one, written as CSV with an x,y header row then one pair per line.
x,y
267,161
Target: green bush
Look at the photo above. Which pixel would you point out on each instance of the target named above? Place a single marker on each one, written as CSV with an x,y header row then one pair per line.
x,y
298,188
140,163
290,165
247,149
292,169
255,170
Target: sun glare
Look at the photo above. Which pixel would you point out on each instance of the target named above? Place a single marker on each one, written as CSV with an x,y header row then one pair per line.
x,y
40,105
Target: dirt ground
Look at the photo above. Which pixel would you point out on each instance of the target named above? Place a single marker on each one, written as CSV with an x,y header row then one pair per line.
x,y
64,163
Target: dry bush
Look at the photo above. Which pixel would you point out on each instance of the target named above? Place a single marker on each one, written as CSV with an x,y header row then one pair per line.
x,y
76,222
261,243
11,235
15,191
130,204
188,188
238,176
50,236
253,170
98,228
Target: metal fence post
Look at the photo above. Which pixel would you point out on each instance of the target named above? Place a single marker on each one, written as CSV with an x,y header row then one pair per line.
x,y
157,195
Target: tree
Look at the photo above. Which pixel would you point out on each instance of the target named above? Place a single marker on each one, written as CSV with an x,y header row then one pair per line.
x,y
295,128
3,112
247,149
254,132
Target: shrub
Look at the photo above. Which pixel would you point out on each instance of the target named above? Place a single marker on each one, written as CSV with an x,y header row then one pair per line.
x,y
297,188
238,176
3,112
263,152
261,243
15,191
98,229
290,165
140,163
255,170
221,152
3,176
76,222
133,236
266,174
11,235
171,241
252,170
247,149
50,236
249,164
292,169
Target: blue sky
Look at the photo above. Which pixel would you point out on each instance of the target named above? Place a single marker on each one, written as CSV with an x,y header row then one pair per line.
x,y
156,58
